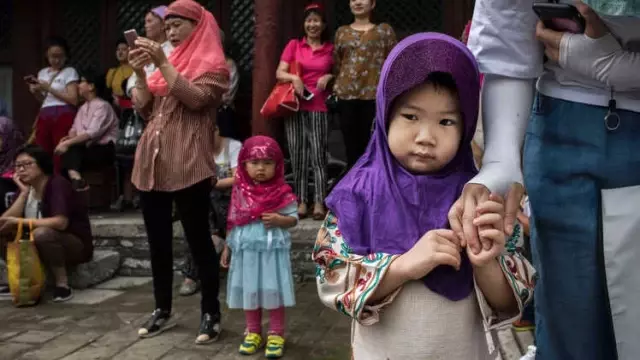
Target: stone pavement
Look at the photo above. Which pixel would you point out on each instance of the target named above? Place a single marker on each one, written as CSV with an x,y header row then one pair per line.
x,y
102,323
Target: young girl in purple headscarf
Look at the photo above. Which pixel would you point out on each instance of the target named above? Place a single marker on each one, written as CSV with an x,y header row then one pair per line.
x,y
385,254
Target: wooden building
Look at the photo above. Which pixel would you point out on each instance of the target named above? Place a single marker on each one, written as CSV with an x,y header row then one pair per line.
x,y
258,29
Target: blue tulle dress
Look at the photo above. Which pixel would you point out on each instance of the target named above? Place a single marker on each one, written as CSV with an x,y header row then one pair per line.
x,y
260,271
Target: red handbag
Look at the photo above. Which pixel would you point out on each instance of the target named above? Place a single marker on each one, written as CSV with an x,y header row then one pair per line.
x,y
282,101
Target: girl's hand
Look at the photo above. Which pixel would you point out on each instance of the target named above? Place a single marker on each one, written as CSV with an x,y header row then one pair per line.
x,y
490,223
298,86
138,59
323,82
153,49
271,219
436,247
225,257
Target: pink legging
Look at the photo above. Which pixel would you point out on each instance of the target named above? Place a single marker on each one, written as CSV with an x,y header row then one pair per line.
x,y
276,321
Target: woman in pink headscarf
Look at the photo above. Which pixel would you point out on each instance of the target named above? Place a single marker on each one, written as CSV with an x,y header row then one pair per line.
x,y
174,161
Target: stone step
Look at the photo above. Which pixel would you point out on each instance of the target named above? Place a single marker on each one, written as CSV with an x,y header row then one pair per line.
x,y
125,233
102,267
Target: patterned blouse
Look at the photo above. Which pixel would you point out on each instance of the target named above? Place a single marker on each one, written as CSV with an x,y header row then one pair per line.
x,y
175,149
346,281
358,57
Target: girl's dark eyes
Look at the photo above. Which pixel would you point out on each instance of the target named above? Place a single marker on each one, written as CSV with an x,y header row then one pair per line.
x,y
447,122
411,117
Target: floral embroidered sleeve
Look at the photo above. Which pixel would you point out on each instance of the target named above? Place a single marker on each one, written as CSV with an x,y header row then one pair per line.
x,y
520,276
346,281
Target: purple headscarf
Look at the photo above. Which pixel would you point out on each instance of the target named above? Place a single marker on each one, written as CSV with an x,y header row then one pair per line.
x,y
380,206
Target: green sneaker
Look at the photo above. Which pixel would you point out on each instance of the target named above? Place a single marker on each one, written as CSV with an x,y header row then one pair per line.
x,y
275,347
251,344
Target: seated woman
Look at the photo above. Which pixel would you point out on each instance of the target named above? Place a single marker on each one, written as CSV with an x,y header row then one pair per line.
x,y
62,232
90,143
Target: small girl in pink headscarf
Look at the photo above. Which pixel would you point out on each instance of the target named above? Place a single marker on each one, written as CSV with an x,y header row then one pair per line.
x,y
262,208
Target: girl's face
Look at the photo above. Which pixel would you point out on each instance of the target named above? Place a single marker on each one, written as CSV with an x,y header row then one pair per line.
x,y
314,26
178,30
153,26
425,129
85,88
122,52
27,169
261,170
361,7
56,57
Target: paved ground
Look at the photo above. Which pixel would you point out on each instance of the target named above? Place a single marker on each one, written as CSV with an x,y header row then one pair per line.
x,y
102,324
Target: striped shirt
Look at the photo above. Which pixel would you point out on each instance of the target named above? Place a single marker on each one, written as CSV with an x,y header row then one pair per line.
x,y
176,148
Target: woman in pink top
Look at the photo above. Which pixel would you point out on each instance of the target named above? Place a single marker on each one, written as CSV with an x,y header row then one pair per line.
x,y
307,131
90,143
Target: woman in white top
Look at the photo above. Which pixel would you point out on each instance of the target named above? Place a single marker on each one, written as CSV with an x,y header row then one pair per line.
x,y
579,146
56,87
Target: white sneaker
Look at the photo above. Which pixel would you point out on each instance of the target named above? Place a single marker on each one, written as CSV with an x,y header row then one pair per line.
x,y
531,353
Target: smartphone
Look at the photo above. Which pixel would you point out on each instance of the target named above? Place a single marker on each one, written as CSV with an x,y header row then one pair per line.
x,y
307,95
131,36
560,17
30,79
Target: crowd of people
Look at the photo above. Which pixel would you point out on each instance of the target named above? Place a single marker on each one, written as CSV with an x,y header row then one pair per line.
x,y
461,251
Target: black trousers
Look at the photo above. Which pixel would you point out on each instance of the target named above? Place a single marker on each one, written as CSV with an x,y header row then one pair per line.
x,y
192,204
356,121
81,157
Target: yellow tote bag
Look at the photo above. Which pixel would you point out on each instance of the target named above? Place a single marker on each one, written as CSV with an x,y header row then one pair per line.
x,y
24,269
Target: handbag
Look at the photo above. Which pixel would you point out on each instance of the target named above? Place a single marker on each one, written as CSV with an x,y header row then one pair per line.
x,y
130,132
24,269
32,137
282,101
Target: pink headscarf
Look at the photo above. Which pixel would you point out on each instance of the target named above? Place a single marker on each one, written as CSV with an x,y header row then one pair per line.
x,y
200,53
250,199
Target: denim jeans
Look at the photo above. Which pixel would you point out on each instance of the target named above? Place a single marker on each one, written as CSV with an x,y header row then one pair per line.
x,y
569,156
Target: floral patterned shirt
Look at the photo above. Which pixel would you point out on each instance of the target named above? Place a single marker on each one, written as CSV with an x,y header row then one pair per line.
x,y
358,57
346,281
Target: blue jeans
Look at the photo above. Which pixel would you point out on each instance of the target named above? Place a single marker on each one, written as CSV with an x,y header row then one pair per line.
x,y
569,156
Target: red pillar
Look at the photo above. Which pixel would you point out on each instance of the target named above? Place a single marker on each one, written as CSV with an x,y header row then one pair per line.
x,y
265,59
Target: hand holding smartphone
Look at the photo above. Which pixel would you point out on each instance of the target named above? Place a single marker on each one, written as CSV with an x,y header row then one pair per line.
x,y
307,95
560,17
32,80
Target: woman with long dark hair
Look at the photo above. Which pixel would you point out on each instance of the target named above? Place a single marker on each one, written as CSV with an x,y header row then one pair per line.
x,y
308,130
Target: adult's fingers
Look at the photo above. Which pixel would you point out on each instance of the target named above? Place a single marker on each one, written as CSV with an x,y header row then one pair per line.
x,y
512,206
550,38
595,28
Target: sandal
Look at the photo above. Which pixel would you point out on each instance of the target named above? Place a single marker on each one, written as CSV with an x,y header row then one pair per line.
x,y
319,214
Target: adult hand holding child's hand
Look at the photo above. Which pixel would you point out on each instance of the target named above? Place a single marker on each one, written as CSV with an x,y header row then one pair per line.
x,y
490,224
436,247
